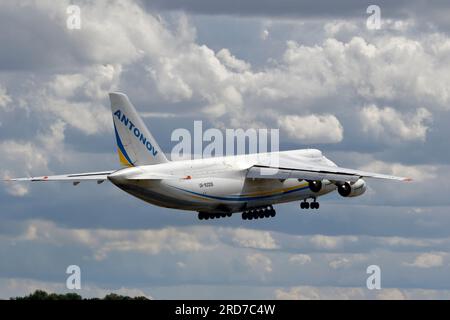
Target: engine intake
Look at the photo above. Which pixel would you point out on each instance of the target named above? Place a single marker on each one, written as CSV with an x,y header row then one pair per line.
x,y
352,190
315,185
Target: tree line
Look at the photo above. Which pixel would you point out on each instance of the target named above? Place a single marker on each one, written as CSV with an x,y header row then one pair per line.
x,y
42,295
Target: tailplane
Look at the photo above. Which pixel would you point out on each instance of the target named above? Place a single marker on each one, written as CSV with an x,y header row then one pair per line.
x,y
135,144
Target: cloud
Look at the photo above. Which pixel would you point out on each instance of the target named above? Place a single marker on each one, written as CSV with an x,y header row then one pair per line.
x,y
428,260
284,8
5,99
391,294
354,293
104,242
259,263
313,128
390,125
417,173
231,61
329,242
339,263
300,259
25,158
338,27
316,293
253,239
264,35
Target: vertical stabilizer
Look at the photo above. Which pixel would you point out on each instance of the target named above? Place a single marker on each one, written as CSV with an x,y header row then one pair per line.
x,y
135,144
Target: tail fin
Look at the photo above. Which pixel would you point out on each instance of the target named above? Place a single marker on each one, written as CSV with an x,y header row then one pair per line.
x,y
135,144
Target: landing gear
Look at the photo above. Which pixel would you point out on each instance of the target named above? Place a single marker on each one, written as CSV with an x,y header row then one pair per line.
x,y
259,213
209,215
309,205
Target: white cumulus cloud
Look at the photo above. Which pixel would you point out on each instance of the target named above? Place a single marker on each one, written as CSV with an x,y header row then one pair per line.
x,y
312,128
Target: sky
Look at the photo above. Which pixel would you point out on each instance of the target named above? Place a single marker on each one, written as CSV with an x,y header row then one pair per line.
x,y
372,99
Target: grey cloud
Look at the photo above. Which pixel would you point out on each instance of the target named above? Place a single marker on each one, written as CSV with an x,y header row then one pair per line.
x,y
287,8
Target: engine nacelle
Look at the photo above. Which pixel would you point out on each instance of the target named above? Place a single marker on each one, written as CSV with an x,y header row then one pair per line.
x,y
315,185
352,190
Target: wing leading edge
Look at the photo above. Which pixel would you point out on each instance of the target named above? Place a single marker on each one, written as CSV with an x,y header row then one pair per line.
x,y
74,177
316,173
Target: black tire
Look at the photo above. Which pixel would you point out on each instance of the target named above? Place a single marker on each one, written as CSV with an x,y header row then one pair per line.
x,y
302,205
273,213
267,213
306,205
317,205
229,214
244,215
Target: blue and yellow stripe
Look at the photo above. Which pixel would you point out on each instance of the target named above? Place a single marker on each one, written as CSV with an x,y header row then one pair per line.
x,y
247,197
123,155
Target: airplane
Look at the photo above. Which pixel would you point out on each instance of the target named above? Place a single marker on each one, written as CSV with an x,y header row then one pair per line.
x,y
217,187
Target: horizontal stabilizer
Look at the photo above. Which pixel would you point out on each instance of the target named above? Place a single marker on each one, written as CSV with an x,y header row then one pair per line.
x,y
74,177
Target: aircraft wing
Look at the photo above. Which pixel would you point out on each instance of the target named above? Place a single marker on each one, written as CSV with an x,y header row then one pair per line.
x,y
74,177
313,172
156,176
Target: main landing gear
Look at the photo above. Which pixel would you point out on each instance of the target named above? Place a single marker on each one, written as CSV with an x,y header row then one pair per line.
x,y
250,214
208,215
259,213
309,205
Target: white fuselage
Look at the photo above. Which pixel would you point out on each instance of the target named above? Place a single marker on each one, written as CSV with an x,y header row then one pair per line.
x,y
217,184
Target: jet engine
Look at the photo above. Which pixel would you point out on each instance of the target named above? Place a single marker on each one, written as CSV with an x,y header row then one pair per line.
x,y
356,189
315,185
